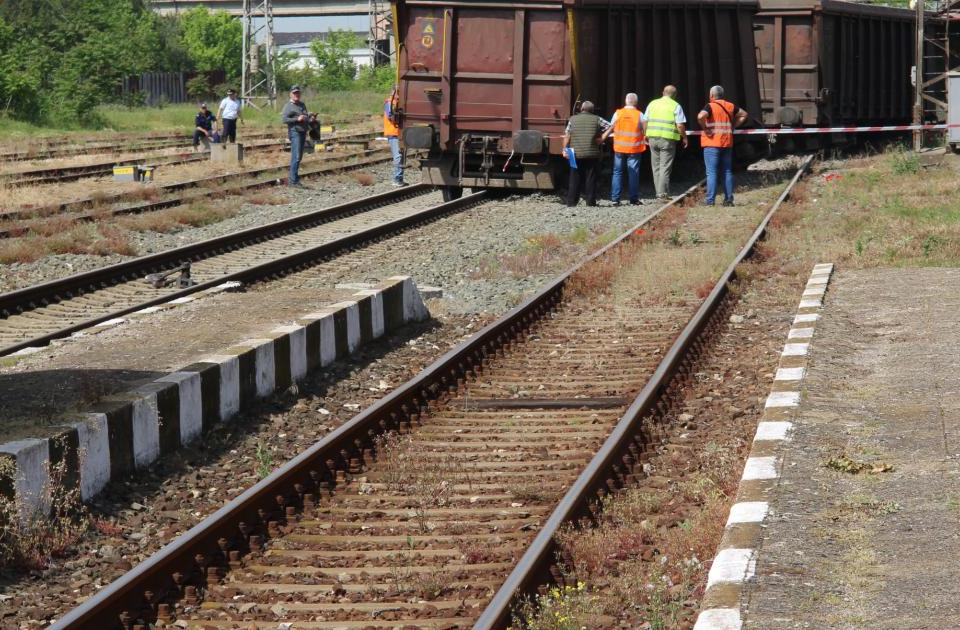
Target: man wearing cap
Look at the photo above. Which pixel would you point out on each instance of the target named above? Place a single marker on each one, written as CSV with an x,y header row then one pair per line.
x,y
229,112
295,115
204,125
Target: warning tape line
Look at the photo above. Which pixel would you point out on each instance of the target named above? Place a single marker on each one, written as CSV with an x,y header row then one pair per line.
x,y
815,130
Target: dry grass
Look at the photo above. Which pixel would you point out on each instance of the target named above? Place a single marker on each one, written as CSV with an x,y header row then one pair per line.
x,y
262,198
101,240
363,178
196,214
644,558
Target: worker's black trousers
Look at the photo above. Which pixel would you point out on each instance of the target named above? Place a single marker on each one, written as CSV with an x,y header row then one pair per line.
x,y
229,130
587,171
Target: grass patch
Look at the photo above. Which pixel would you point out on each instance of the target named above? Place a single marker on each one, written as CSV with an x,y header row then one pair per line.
x,y
334,107
889,210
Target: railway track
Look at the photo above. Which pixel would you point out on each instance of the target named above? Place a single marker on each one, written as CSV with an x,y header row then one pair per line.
x,y
36,315
22,221
72,149
437,506
53,174
127,142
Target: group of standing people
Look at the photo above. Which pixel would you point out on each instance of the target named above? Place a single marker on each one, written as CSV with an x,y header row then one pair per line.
x,y
658,130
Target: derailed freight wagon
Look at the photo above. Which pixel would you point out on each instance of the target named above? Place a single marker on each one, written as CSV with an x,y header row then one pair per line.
x,y
487,86
824,63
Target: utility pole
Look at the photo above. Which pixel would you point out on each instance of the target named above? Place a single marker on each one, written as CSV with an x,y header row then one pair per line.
x,y
259,83
918,79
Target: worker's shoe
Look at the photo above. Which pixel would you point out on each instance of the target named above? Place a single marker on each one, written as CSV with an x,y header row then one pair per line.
x,y
728,202
616,204
397,184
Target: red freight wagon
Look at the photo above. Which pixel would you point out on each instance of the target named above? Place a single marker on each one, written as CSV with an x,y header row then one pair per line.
x,y
487,86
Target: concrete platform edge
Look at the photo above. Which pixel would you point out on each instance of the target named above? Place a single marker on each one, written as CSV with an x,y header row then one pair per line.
x,y
131,431
735,562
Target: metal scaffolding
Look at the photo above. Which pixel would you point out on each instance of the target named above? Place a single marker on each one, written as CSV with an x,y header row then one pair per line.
x,y
381,26
935,58
259,82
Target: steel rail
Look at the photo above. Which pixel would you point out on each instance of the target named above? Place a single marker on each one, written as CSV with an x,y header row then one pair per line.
x,y
54,291
367,158
141,593
533,569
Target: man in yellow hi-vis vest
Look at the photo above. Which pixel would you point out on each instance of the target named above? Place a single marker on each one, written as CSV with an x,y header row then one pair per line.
x,y
664,125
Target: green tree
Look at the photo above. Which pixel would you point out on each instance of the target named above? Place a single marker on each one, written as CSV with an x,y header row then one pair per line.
x,y
336,69
61,58
172,53
214,41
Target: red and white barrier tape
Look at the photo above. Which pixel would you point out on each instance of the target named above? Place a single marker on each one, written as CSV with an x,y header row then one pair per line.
x,y
814,130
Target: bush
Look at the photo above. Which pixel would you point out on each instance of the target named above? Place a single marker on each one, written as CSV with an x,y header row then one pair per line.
x,y
198,88
380,78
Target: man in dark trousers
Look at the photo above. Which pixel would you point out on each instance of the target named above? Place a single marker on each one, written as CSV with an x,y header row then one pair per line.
x,y
583,140
295,116
204,125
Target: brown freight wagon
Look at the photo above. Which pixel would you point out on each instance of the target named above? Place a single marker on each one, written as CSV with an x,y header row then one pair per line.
x,y
487,86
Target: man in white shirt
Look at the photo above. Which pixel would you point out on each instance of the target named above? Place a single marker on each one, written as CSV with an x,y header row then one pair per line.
x,y
229,112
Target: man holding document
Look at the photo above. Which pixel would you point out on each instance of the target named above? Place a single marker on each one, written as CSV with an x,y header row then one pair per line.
x,y
581,147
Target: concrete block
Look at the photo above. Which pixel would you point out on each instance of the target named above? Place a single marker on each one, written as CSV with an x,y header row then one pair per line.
x,y
145,420
352,310
191,404
31,474
374,300
94,443
227,153
297,342
265,366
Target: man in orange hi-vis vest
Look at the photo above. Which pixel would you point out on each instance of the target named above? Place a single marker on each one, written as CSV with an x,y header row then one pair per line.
x,y
391,130
718,119
628,145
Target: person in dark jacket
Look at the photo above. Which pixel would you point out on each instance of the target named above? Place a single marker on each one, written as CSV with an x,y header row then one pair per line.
x,y
204,125
295,117
583,139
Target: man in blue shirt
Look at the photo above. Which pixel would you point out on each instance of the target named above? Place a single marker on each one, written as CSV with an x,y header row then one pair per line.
x,y
204,126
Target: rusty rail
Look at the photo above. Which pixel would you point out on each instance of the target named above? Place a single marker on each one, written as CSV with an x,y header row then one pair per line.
x,y
534,567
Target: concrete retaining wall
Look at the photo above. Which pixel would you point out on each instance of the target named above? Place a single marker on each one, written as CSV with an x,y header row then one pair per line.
x,y
129,432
